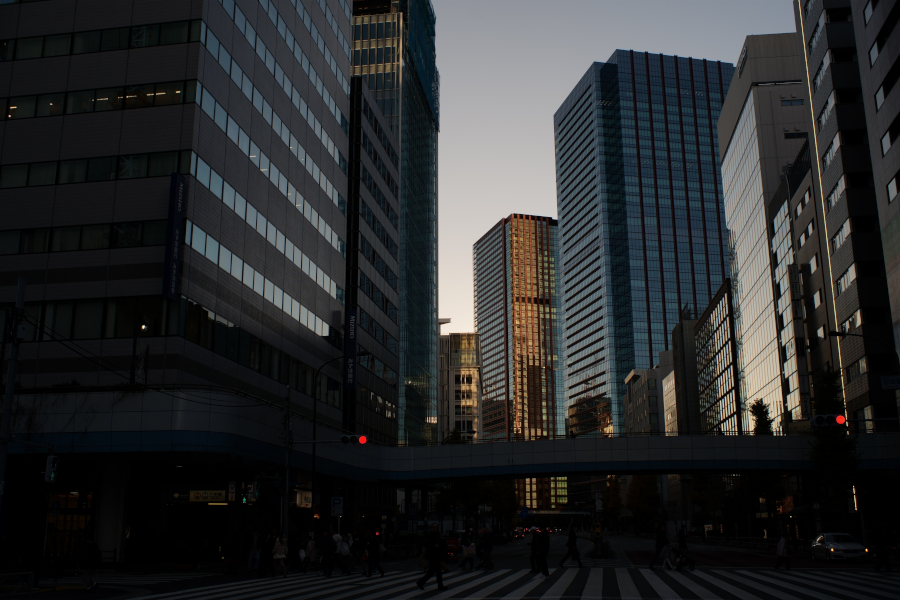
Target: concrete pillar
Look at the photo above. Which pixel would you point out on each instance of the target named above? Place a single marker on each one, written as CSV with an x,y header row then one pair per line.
x,y
110,511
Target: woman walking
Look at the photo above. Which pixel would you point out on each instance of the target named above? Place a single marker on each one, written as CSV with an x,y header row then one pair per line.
x,y
279,553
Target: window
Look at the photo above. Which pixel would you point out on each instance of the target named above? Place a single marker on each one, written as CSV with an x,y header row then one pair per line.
x,y
826,112
814,263
820,335
836,192
802,204
868,10
884,35
890,135
832,150
840,237
823,69
795,135
817,32
844,281
892,187
887,84
850,325
857,370
792,102
817,299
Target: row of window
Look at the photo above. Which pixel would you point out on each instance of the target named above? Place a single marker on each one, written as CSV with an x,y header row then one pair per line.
x,y
318,41
83,237
383,136
329,17
843,282
101,40
240,138
369,183
106,168
111,318
380,231
208,247
253,94
792,101
247,212
467,411
368,287
380,166
375,56
890,136
375,31
377,331
892,187
836,192
826,111
831,151
887,28
98,100
379,263
840,237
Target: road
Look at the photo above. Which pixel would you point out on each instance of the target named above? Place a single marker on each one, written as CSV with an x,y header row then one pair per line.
x,y
738,575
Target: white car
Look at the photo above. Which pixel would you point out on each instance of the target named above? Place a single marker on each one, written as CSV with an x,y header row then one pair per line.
x,y
837,546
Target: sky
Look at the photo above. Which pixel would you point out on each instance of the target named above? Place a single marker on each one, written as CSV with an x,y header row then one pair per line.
x,y
507,65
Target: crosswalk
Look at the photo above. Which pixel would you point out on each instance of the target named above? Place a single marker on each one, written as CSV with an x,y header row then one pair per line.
x,y
125,579
623,583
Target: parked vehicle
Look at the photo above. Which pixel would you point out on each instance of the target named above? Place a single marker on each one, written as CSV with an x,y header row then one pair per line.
x,y
837,546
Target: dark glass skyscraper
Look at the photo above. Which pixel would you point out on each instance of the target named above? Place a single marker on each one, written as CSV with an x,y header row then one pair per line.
x,y
641,224
393,49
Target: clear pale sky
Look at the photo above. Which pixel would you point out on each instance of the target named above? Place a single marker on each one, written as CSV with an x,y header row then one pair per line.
x,y
507,65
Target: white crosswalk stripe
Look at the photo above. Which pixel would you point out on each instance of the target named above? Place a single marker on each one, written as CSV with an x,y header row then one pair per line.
x,y
600,583
127,579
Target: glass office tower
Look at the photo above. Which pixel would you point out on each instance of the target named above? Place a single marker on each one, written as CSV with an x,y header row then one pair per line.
x,y
393,49
517,306
641,223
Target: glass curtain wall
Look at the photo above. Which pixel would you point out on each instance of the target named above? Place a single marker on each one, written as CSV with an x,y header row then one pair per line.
x,y
642,226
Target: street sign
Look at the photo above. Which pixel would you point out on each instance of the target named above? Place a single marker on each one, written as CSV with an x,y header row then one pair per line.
x,y
890,382
208,496
337,507
304,499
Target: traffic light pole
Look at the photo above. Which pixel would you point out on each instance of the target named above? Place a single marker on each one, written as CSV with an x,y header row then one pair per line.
x,y
10,387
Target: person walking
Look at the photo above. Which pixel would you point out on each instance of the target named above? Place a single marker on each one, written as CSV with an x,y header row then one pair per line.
x,y
279,553
435,550
542,541
326,553
468,548
534,549
662,542
310,563
572,545
373,551
487,546
782,553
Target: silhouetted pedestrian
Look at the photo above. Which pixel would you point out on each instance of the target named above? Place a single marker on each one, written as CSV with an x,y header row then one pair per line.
x,y
662,541
435,550
782,553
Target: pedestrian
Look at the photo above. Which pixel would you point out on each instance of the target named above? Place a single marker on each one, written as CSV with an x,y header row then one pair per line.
x,y
253,555
882,555
266,562
542,539
468,548
357,551
435,550
534,548
89,560
310,563
279,553
782,553
572,545
326,553
373,555
662,541
487,546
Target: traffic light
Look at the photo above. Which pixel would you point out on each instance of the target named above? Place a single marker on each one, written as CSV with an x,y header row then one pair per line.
x,y
354,439
828,421
50,471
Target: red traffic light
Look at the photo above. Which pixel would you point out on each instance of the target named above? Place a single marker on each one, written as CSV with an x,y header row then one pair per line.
x,y
363,439
840,419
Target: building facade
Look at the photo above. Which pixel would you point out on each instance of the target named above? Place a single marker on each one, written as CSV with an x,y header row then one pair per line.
x,y
460,388
517,305
174,184
371,391
643,399
718,374
639,197
843,185
764,123
393,50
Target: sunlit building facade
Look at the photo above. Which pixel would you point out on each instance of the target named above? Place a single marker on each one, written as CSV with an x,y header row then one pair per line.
x,y
639,196
460,387
393,50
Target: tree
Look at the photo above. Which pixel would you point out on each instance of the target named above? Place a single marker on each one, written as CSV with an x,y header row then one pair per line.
x,y
762,422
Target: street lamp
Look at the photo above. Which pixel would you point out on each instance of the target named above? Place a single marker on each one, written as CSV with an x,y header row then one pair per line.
x,y
316,414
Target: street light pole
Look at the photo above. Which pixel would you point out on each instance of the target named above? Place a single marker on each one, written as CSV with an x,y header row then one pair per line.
x,y
140,326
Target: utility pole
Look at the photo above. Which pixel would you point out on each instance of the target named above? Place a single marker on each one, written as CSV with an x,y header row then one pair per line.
x,y
17,335
288,445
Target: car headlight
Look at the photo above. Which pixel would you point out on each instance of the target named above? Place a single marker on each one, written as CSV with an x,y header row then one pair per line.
x,y
832,549
867,549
